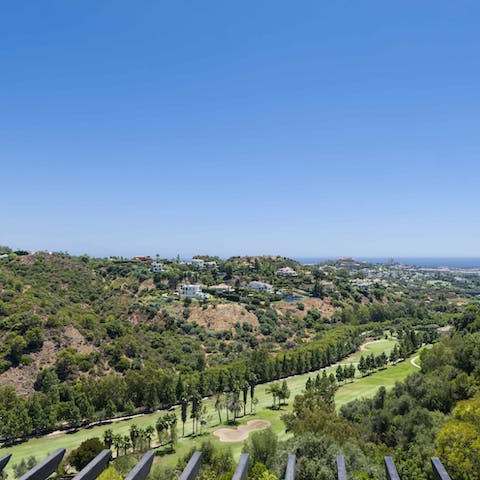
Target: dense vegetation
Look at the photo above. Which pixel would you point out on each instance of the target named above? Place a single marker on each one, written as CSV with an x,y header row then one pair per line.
x,y
435,412
105,337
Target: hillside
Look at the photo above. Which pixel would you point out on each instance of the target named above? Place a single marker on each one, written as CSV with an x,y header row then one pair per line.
x,y
94,316
88,317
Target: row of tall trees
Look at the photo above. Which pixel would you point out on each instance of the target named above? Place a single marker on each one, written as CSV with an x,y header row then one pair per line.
x,y
345,372
369,363
91,399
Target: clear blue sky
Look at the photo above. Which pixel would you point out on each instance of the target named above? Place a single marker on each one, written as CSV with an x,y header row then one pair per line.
x,y
306,128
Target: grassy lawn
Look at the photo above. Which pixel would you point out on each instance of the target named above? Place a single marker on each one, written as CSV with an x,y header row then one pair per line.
x,y
360,387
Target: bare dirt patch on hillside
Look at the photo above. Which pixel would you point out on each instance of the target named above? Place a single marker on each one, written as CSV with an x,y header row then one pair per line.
x,y
72,338
222,317
323,306
239,434
148,284
23,377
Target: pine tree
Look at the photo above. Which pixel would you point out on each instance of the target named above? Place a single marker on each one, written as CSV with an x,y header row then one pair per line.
x,y
394,354
309,384
284,391
362,366
245,397
352,371
340,374
184,405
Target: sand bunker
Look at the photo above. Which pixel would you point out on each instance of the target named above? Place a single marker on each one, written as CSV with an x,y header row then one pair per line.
x,y
240,433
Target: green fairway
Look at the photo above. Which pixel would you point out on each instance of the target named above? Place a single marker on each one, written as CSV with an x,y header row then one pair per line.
x,y
360,387
367,386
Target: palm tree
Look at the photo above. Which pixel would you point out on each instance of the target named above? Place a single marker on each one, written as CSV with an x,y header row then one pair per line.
x,y
108,438
126,444
117,442
149,434
274,390
134,435
219,404
234,404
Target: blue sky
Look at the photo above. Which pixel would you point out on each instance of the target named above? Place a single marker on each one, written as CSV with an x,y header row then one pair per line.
x,y
308,128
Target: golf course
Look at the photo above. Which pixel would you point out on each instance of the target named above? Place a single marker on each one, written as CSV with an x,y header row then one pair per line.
x,y
262,416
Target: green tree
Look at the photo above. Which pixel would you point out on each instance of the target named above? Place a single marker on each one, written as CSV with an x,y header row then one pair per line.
x,y
117,442
17,346
362,365
340,374
183,406
110,473
273,390
110,409
262,447
85,453
234,403
284,392
108,438
458,442
219,405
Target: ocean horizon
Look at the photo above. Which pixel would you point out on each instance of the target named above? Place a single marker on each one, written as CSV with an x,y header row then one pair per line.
x,y
452,262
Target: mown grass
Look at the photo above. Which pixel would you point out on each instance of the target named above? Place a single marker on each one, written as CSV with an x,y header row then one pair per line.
x,y
360,387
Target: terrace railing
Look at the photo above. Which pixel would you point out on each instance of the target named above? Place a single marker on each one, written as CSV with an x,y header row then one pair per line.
x,y
49,465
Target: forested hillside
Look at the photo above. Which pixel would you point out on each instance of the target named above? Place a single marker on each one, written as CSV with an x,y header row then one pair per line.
x,y
86,338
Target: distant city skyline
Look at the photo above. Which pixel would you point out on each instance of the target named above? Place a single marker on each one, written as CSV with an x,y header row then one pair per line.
x,y
319,129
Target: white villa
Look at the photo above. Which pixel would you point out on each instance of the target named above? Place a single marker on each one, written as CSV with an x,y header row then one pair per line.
x,y
260,286
198,262
222,288
192,291
156,267
287,272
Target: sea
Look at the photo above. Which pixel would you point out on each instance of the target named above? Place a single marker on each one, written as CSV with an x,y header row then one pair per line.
x,y
452,262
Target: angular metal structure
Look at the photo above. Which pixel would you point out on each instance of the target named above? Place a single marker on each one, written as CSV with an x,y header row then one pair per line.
x,y
439,471
242,468
95,467
142,469
45,468
341,470
4,460
290,470
193,466
390,469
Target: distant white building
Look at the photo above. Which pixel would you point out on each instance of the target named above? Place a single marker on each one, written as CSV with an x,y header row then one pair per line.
x,y
223,288
192,291
156,267
260,286
198,262
287,272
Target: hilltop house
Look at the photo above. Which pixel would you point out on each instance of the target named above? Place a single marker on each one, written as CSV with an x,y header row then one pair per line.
x,y
198,262
287,272
260,286
156,267
192,291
